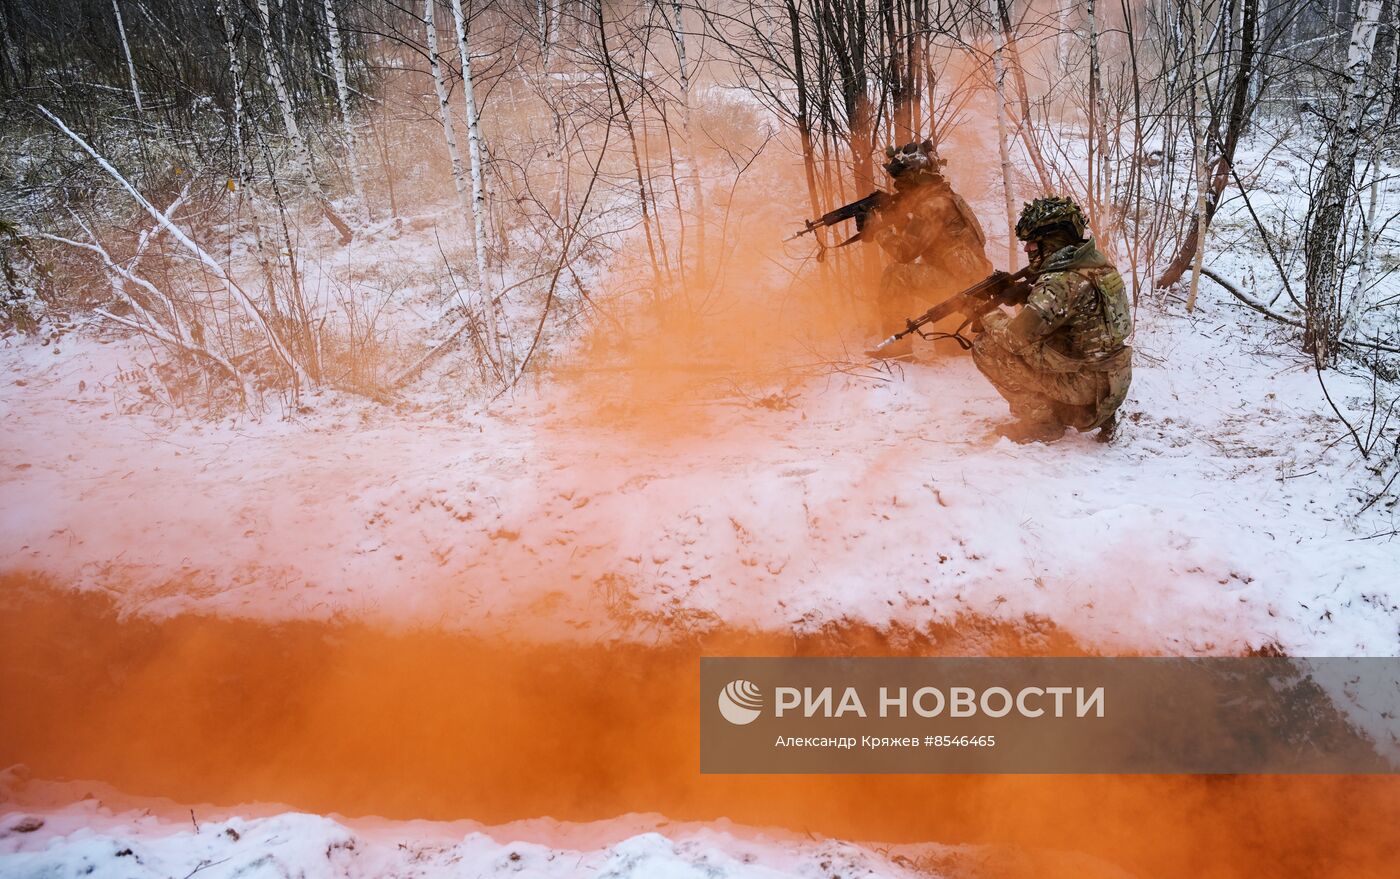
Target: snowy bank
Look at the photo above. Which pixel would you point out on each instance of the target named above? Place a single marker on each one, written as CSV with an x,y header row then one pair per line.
x,y
1223,518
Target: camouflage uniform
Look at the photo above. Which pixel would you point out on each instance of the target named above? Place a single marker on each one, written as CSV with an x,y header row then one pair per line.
x,y
937,247
1075,368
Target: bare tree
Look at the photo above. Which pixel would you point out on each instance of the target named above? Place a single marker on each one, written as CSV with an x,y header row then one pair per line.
x,y
301,153
126,50
1334,190
342,96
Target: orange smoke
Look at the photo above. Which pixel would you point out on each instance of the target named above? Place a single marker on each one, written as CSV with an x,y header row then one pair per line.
x,y
751,324
431,725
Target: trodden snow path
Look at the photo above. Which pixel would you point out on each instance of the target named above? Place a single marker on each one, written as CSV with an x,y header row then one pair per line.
x,y
1223,518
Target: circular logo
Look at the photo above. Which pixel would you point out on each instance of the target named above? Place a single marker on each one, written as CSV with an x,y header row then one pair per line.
x,y
740,702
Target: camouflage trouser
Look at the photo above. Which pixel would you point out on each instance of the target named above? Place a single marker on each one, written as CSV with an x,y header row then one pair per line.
x,y
909,289
1082,399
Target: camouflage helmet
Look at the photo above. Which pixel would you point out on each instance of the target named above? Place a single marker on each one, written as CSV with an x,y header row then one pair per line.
x,y
912,159
1040,215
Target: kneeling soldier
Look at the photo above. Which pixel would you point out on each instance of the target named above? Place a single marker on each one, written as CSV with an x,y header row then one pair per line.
x,y
1062,360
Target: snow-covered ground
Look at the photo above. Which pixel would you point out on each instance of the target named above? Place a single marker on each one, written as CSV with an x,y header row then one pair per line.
x,y
1222,518
55,831
77,841
89,839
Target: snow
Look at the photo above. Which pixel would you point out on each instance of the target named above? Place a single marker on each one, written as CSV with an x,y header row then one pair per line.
x,y
1223,518
160,839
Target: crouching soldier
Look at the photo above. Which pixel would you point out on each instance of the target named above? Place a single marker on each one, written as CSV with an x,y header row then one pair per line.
x,y
933,238
1062,360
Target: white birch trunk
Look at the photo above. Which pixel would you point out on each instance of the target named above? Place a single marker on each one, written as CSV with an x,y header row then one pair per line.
x,y
474,147
1095,141
239,295
549,28
1363,41
560,110
126,50
1369,238
236,68
1198,136
1003,151
542,19
301,153
342,96
1062,38
1359,53
485,307
449,130
1327,310
495,328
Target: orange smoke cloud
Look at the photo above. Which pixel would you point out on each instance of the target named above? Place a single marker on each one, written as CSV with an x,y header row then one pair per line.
x,y
431,725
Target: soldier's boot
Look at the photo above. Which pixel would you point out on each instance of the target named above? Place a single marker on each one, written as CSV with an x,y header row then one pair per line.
x,y
1108,429
1023,432
1036,422
900,350
1086,418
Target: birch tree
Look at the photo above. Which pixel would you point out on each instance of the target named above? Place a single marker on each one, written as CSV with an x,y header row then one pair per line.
x,y
242,166
1093,142
1384,136
1012,59
485,307
342,96
449,129
494,326
1063,34
301,153
1198,135
1003,150
126,51
1332,195
1219,147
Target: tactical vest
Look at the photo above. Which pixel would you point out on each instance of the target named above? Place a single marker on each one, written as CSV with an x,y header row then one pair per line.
x,y
1099,319
1108,319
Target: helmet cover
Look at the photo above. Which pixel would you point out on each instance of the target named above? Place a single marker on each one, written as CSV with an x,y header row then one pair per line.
x,y
911,159
1044,213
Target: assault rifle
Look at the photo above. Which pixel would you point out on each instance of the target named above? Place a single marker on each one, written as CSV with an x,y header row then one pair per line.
x,y
861,211
997,289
